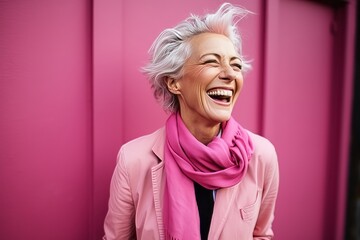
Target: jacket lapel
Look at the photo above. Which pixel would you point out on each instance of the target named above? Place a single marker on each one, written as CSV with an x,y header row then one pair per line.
x,y
157,179
223,202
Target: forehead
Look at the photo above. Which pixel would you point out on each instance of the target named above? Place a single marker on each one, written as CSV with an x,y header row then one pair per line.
x,y
205,43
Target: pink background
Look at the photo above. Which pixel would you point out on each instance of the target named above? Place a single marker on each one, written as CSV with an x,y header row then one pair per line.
x,y
71,93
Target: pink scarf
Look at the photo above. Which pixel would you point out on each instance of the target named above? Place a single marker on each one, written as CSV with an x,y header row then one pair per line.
x,y
220,164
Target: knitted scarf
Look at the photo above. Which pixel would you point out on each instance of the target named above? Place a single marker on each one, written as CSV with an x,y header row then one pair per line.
x,y
221,163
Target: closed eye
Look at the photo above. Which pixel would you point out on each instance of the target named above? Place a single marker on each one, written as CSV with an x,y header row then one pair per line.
x,y
211,61
237,66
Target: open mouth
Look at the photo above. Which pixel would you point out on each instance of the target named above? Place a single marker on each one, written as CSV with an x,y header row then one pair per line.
x,y
222,95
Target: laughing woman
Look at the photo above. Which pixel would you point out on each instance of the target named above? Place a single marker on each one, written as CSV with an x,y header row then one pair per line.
x,y
201,176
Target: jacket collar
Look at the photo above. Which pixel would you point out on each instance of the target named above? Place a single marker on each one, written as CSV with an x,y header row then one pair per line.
x,y
159,145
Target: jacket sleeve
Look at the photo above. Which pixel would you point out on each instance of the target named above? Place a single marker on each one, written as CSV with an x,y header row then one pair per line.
x,y
120,219
263,229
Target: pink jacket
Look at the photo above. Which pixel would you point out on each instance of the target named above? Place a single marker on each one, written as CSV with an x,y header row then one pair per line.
x,y
244,211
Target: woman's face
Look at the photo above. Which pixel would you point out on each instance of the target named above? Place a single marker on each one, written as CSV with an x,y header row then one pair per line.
x,y
211,80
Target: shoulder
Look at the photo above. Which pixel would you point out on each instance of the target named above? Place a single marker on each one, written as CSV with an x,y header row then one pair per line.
x,y
143,144
264,150
264,162
261,144
138,153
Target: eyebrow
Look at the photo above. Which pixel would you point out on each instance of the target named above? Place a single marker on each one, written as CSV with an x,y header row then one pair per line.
x,y
219,56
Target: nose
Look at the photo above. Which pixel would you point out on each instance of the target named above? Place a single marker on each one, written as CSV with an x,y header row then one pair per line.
x,y
227,73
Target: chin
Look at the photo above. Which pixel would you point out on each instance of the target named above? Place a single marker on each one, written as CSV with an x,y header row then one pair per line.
x,y
219,118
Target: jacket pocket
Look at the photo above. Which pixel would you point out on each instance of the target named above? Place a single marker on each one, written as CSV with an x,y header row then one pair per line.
x,y
250,212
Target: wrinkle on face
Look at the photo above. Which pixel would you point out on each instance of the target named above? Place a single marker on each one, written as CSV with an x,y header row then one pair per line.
x,y
213,64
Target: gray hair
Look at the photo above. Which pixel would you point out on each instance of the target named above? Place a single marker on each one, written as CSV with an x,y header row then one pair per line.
x,y
171,48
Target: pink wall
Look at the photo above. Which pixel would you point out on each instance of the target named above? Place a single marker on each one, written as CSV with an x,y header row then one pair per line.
x,y
307,110
71,93
45,123
297,118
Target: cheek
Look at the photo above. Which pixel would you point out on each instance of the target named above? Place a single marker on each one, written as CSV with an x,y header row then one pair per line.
x,y
239,84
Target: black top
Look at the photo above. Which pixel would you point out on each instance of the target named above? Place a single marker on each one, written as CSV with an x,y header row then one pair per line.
x,y
205,202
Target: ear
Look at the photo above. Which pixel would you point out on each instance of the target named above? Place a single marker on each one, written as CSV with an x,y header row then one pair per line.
x,y
172,85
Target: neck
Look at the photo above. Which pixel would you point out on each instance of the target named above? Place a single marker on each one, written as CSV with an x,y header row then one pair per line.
x,y
203,132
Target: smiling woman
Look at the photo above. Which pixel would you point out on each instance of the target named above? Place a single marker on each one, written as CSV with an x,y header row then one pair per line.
x,y
202,175
210,84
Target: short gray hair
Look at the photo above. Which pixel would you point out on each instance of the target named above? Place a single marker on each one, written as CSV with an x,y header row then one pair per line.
x,y
171,48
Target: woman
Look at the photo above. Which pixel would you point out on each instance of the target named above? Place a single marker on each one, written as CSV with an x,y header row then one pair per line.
x,y
202,176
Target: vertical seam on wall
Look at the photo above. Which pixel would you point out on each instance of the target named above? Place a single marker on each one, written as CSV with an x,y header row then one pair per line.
x,y
331,188
92,122
261,104
269,31
122,82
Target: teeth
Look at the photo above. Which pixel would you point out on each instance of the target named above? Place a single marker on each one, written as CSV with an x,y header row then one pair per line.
x,y
220,92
